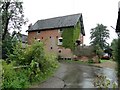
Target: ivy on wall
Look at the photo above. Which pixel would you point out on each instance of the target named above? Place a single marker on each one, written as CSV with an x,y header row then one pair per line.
x,y
70,35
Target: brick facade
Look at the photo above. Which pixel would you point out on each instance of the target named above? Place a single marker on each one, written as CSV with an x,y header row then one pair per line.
x,y
50,40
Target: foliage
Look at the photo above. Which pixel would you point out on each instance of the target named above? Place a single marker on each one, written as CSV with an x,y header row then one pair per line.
x,y
108,50
118,58
76,32
12,16
40,65
90,61
0,73
102,60
70,35
12,78
7,46
116,55
99,35
68,38
34,52
98,51
102,82
77,61
17,55
114,46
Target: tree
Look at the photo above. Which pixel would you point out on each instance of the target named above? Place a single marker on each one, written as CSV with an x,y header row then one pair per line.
x,y
114,46
12,16
99,35
118,60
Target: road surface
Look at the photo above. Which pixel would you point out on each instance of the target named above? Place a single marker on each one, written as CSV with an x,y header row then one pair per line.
x,y
74,75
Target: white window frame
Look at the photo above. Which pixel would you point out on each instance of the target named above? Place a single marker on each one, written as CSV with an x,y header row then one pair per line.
x,y
60,43
38,32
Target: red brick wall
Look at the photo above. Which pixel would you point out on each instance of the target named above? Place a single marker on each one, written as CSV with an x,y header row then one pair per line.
x,y
50,39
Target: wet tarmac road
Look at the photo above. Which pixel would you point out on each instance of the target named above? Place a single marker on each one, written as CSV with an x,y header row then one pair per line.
x,y
74,75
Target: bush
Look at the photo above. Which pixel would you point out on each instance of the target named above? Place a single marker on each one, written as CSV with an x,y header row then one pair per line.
x,y
41,65
90,61
12,78
103,82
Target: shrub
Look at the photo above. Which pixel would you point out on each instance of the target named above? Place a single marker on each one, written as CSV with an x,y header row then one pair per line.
x,y
103,82
12,78
90,61
41,65
24,56
98,50
18,55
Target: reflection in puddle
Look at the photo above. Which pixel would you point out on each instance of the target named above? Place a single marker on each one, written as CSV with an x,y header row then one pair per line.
x,y
87,83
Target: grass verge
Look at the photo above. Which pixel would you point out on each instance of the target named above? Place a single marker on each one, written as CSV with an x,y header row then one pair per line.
x,y
76,61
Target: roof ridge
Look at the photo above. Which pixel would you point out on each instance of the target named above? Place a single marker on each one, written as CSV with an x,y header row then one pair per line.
x,y
59,17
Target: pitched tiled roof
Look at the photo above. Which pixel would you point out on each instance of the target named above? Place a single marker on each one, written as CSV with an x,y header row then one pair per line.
x,y
58,22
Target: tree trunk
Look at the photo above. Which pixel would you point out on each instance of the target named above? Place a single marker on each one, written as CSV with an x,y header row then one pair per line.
x,y
6,17
5,29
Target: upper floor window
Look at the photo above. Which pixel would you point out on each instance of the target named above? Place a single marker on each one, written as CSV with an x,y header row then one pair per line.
x,y
38,32
60,31
60,41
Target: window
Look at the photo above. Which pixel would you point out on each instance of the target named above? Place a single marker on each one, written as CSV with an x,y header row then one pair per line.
x,y
60,31
38,40
38,32
56,36
50,36
59,51
51,47
60,40
42,37
78,42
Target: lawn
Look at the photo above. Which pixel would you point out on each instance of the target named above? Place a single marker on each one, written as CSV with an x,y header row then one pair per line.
x,y
103,60
76,61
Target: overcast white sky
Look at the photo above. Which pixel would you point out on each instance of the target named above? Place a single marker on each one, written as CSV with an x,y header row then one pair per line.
x,y
94,11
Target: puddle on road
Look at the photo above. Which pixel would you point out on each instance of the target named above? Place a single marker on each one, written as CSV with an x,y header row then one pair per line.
x,y
87,83
83,78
